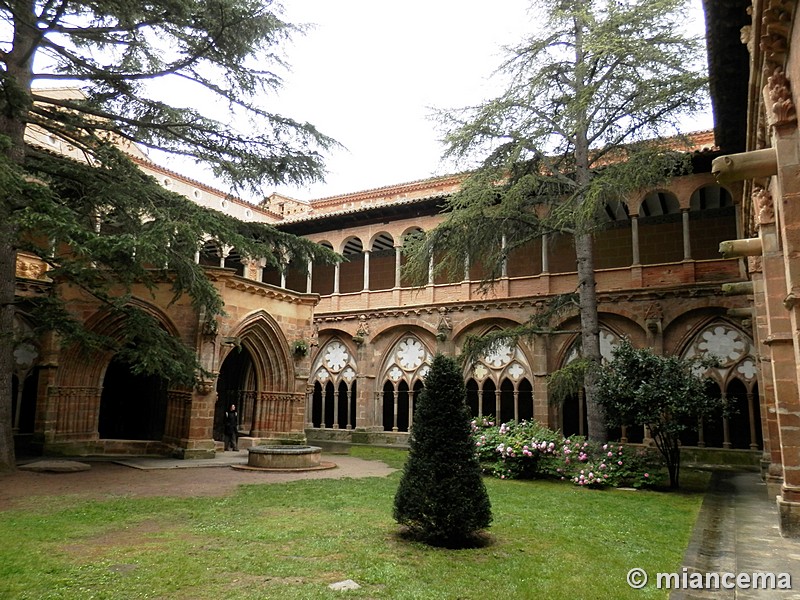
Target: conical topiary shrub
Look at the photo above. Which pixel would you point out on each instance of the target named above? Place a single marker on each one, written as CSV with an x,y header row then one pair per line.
x,y
442,499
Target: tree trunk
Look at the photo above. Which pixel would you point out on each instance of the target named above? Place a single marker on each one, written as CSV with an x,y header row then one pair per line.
x,y
17,83
7,289
584,252
590,334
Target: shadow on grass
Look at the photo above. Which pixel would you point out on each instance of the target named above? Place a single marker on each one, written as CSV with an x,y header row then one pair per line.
x,y
480,539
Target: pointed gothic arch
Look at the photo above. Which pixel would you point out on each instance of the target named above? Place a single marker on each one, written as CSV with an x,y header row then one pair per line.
x,y
403,371
256,373
333,399
499,385
735,378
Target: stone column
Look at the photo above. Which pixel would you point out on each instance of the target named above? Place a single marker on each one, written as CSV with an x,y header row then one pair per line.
x,y
398,255
782,288
309,276
687,242
366,270
545,254
635,239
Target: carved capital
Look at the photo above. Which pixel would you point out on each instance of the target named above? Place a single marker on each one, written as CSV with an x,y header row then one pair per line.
x,y
778,98
763,207
776,23
754,264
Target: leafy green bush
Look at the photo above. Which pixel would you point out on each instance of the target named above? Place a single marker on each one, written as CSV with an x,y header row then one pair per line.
x,y
528,450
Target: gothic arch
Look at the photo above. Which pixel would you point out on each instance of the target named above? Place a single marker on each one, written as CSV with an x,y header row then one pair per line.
x,y
736,380
261,335
334,386
79,368
401,376
499,383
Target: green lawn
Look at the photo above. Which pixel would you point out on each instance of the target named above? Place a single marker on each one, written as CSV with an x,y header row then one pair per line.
x,y
550,540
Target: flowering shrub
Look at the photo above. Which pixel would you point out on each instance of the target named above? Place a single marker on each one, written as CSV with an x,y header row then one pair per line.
x,y
529,450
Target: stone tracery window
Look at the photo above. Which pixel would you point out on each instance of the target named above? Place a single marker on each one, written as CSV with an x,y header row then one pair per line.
x,y
736,381
403,372
499,385
573,420
333,401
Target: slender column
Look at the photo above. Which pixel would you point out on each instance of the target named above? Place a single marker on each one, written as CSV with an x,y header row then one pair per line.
x,y
394,409
398,253
624,435
410,408
430,271
309,276
348,403
726,426
516,405
466,268
336,278
497,404
336,408
635,239
545,254
687,242
752,413
366,270
701,434
283,275
480,399
310,408
581,412
322,424
504,266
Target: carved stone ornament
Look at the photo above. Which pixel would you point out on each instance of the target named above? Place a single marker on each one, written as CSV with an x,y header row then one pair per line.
x,y
754,264
205,387
779,100
776,25
763,207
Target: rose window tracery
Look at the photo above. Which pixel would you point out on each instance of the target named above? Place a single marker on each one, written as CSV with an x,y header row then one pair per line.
x,y
336,356
501,362
728,345
408,360
335,363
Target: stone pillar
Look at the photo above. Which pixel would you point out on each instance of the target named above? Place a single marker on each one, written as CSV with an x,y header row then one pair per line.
x,y
545,254
782,290
396,394
504,266
336,269
635,239
687,242
336,408
309,276
398,263
366,270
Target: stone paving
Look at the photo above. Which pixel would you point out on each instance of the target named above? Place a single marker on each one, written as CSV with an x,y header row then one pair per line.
x,y
737,532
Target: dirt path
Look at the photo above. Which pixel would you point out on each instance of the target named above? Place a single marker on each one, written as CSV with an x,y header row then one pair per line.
x,y
111,480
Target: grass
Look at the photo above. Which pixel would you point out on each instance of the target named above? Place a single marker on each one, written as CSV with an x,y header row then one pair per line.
x,y
550,540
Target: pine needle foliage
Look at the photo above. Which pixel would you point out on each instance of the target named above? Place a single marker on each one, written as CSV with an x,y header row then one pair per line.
x,y
589,116
96,78
441,498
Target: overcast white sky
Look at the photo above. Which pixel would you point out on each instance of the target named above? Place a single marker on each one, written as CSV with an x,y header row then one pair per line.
x,y
369,73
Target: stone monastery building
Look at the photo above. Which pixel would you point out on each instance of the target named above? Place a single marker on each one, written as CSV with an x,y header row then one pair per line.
x,y
339,353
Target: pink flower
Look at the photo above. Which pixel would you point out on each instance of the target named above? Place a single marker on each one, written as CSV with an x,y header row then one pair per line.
x,y
647,474
619,462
